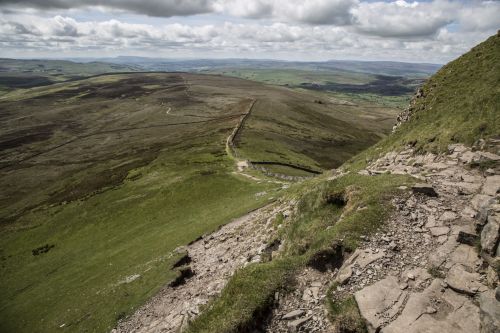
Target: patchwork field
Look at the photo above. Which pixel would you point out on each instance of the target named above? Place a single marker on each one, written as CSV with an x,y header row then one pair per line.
x,y
104,178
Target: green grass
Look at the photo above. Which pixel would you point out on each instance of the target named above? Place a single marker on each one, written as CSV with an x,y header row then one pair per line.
x,y
247,298
315,228
345,315
294,77
129,230
323,78
112,205
461,103
292,128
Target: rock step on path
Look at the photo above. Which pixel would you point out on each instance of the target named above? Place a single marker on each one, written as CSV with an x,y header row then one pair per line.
x,y
434,280
422,272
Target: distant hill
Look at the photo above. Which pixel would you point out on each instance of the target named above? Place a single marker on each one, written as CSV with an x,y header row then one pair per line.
x,y
18,73
370,67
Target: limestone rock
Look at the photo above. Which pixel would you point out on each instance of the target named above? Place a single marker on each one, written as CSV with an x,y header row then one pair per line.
x,y
344,275
482,200
293,314
367,257
433,311
490,312
296,324
462,281
492,185
490,235
439,231
377,299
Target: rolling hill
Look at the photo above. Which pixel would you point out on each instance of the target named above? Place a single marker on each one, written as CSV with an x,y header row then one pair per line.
x,y
105,177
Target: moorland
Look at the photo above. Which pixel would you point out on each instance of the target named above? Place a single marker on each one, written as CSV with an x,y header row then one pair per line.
x,y
104,177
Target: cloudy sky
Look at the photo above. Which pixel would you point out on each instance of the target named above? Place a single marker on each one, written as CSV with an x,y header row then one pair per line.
x,y
419,31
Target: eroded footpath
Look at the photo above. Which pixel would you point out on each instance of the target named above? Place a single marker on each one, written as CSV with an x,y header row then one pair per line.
x,y
430,268
205,269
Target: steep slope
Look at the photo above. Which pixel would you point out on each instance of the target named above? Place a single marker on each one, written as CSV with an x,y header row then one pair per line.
x,y
460,103
365,248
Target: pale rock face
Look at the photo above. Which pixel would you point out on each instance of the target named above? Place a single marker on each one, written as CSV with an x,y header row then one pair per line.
x,y
376,300
490,312
491,185
423,313
490,235
463,281
437,236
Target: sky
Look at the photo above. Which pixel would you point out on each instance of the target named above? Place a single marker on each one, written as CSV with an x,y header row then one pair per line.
x,y
432,31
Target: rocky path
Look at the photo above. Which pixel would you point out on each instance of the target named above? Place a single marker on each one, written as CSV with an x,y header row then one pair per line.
x,y
206,268
422,272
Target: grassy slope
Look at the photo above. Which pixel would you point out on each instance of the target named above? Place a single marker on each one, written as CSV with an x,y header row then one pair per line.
x,y
128,187
100,241
293,128
461,105
115,229
461,102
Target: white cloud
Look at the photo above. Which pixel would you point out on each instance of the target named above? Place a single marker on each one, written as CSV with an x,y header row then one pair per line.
x,y
402,19
165,8
310,12
305,30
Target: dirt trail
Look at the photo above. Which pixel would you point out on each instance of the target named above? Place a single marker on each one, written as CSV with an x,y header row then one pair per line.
x,y
213,259
422,271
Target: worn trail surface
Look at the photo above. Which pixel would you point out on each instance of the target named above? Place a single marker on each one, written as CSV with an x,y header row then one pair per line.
x,y
422,272
213,259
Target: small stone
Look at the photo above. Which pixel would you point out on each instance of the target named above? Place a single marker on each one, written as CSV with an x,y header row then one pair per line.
x,y
467,238
439,231
296,324
430,310
293,314
403,286
410,276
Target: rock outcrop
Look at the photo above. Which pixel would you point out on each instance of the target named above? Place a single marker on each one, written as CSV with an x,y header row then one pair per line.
x,y
435,280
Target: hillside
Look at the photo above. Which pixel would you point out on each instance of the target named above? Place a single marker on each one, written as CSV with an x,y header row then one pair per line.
x,y
459,104
17,73
403,238
105,178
